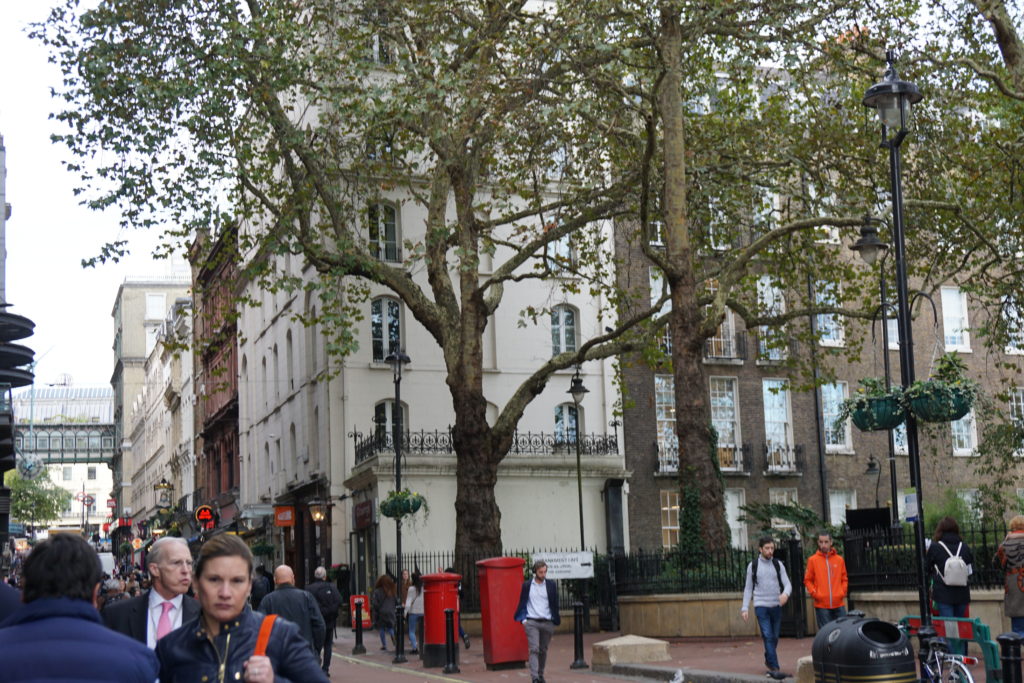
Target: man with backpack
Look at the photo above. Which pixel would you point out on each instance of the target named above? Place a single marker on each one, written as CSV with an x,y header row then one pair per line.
x,y
826,582
329,600
769,588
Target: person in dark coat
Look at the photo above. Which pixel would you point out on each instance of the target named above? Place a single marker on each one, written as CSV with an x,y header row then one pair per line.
x,y
57,635
537,611
145,618
383,603
329,599
262,585
220,643
295,605
950,601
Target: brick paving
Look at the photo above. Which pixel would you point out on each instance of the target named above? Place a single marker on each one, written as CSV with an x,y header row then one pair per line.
x,y
739,659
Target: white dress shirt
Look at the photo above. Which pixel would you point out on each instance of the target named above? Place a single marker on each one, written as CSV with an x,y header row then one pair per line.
x,y
537,606
156,602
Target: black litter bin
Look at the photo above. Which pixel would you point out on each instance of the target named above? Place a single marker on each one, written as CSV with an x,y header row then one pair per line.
x,y
855,648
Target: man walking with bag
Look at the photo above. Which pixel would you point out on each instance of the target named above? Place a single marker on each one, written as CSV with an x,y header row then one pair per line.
x,y
329,600
769,588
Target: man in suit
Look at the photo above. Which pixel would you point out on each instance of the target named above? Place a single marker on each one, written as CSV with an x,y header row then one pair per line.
x,y
538,613
297,606
164,607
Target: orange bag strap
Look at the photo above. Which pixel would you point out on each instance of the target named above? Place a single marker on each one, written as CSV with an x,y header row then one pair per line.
x,y
264,636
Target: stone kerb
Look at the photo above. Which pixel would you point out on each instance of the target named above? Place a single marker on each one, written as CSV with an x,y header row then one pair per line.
x,y
628,649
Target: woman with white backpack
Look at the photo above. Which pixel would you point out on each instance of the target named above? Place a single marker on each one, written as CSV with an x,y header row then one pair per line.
x,y
949,562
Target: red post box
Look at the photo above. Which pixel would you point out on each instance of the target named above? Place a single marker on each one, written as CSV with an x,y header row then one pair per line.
x,y
501,580
367,619
440,592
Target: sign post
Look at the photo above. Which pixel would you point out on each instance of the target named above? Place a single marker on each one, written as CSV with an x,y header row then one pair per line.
x,y
578,565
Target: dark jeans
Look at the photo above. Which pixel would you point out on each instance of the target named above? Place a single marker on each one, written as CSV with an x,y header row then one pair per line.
x,y
770,620
946,609
824,615
329,644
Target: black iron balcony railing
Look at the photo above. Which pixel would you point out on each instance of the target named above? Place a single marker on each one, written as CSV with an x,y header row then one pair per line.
x,y
729,347
439,442
782,458
732,458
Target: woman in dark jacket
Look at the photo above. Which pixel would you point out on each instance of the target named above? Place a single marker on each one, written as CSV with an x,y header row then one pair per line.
x,y
1010,559
219,645
383,602
950,601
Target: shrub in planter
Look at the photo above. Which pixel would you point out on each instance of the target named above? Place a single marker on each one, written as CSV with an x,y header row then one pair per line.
x,y
873,407
946,395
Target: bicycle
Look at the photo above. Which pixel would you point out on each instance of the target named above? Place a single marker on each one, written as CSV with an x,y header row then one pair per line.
x,y
942,666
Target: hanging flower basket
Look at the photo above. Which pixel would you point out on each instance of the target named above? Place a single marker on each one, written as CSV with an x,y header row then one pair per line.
x,y
402,503
945,396
873,408
874,414
942,404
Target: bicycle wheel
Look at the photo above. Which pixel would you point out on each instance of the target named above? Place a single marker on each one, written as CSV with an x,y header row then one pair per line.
x,y
954,671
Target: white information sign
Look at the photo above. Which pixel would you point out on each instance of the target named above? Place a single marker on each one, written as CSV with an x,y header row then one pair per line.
x,y
568,565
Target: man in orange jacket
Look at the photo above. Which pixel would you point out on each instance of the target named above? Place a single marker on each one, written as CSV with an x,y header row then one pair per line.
x,y
825,579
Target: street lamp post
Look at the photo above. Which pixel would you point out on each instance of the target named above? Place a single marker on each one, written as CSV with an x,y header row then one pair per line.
x,y
397,360
578,393
893,99
869,247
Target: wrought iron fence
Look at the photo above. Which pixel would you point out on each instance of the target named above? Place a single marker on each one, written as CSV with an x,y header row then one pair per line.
x,y
680,571
884,559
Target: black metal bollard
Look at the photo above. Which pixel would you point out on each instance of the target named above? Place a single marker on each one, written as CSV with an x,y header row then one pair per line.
x,y
577,637
1009,646
359,649
450,667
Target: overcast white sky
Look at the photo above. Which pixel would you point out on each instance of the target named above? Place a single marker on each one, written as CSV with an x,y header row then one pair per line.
x,y
49,233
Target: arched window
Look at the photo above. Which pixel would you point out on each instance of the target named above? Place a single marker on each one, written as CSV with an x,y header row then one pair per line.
x,y
384,419
289,359
384,232
385,327
563,329
567,423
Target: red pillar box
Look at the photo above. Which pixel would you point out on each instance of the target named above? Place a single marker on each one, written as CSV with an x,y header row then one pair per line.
x,y
440,592
501,580
367,619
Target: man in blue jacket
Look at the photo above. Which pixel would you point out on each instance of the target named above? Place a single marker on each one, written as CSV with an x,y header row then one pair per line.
x,y
57,634
538,613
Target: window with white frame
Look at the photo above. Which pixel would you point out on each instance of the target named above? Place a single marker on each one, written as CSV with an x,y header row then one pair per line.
x,y
719,235
972,499
770,301
563,329
782,496
657,232
830,325
670,502
657,281
1013,318
837,437
566,423
560,254
955,324
384,233
723,343
725,419
839,501
66,473
965,437
1016,404
665,422
381,49
735,499
156,305
385,327
777,423
384,417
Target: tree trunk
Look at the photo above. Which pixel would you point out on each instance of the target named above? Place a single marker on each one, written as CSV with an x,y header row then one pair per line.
x,y
699,481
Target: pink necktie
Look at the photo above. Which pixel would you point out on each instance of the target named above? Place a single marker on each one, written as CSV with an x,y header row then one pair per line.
x,y
163,627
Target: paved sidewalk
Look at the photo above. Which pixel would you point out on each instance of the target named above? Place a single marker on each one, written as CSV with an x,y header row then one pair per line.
x,y
736,659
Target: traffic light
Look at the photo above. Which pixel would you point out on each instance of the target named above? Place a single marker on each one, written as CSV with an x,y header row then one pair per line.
x,y
7,459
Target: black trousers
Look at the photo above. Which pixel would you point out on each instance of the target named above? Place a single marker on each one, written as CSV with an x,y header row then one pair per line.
x,y
329,643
